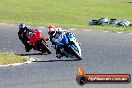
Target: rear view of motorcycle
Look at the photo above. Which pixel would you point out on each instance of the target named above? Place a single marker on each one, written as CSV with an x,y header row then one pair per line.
x,y
37,39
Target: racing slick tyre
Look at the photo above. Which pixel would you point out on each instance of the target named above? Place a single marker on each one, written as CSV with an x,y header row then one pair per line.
x,y
43,45
75,53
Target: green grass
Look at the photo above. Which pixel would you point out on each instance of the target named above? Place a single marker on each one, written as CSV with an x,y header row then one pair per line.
x,y
6,58
66,13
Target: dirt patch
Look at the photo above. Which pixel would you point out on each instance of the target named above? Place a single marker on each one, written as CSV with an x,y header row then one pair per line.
x,y
5,24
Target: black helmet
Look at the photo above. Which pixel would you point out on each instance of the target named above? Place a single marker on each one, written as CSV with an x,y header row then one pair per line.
x,y
22,26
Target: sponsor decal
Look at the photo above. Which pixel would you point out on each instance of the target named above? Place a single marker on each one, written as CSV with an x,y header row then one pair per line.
x,y
83,78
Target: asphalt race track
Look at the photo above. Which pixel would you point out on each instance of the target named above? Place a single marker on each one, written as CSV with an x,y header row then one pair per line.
x,y
102,53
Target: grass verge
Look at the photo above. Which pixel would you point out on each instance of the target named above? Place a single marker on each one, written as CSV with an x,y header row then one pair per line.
x,y
67,13
6,58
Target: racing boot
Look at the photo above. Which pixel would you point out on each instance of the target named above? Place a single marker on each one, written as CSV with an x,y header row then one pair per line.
x,y
28,48
58,53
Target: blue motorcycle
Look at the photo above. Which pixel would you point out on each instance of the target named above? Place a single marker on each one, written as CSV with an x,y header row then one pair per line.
x,y
68,46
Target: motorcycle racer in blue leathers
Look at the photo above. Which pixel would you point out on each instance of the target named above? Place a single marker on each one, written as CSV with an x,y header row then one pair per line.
x,y
55,36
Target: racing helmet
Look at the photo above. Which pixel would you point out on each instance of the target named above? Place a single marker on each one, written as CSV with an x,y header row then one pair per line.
x,y
22,26
52,30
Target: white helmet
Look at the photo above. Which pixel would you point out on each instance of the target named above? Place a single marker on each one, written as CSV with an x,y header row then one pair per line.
x,y
52,30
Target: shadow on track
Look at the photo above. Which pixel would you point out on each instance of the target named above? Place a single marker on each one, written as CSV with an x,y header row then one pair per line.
x,y
32,54
58,60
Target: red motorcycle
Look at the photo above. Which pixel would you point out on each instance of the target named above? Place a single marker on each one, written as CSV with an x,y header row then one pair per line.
x,y
37,39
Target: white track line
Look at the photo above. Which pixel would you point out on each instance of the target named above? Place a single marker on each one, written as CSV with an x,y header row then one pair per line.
x,y
72,29
87,30
84,30
41,27
119,32
109,32
105,31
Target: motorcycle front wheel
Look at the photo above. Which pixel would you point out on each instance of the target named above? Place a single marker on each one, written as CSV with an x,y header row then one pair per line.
x,y
76,54
43,45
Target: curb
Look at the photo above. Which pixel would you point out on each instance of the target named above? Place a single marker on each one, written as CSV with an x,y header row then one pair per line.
x,y
74,29
30,60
